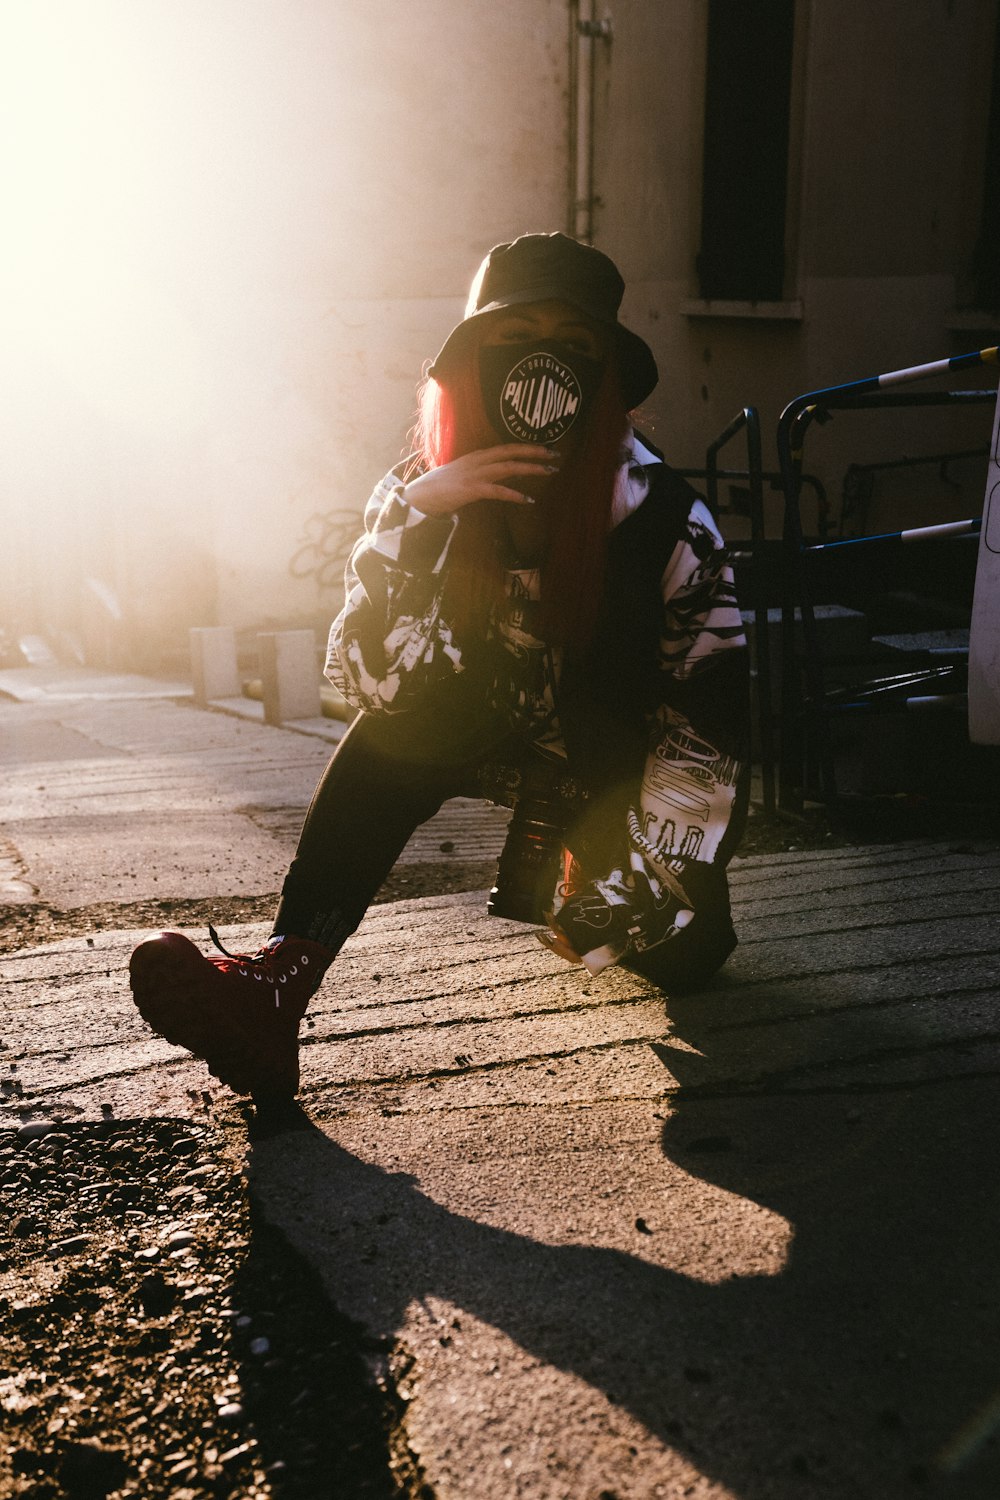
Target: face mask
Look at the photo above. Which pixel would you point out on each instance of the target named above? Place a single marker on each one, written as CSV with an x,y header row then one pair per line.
x,y
538,391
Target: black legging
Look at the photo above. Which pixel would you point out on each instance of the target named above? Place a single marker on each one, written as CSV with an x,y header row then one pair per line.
x,y
389,774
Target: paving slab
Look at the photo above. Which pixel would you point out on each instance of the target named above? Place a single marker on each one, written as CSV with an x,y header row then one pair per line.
x,y
741,1244
135,797
57,682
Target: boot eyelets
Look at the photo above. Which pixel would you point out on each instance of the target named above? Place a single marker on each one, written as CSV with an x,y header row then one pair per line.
x,y
305,959
293,969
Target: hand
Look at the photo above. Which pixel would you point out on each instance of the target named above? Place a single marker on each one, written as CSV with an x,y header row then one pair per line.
x,y
480,476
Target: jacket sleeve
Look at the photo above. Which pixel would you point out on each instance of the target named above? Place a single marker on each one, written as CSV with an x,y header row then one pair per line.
x,y
685,818
389,642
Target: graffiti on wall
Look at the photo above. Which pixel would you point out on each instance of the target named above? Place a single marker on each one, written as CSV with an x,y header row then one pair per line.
x,y
324,545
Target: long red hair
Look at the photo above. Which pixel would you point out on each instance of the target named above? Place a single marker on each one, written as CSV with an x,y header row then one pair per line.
x,y
451,421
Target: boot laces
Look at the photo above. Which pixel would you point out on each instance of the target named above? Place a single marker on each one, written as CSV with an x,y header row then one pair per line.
x,y
257,965
260,957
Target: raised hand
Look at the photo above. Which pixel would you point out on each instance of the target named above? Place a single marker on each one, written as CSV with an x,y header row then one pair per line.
x,y
482,475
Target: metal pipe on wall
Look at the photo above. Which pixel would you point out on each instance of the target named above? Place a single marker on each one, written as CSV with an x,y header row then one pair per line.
x,y
584,33
572,94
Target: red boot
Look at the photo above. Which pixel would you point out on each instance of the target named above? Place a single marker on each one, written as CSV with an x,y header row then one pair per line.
x,y
239,1013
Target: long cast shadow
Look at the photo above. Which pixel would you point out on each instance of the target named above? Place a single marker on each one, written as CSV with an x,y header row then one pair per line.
x,y
867,1367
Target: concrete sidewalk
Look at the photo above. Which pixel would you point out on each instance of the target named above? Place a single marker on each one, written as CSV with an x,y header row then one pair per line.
x,y
620,1245
116,789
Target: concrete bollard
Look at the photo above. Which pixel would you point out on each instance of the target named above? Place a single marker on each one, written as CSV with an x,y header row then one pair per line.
x,y
214,671
290,675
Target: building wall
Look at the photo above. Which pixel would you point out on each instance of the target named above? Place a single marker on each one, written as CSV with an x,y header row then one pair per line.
x,y
889,116
422,134
249,225
284,205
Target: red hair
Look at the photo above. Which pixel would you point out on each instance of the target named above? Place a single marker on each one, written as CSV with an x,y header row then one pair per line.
x,y
451,421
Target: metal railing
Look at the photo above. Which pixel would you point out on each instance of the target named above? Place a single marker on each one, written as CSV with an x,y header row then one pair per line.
x,y
873,392
748,421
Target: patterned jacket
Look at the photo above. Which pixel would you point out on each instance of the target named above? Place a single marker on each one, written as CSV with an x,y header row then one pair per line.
x,y
657,706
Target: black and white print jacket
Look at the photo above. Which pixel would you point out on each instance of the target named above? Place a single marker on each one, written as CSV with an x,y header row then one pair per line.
x,y
669,588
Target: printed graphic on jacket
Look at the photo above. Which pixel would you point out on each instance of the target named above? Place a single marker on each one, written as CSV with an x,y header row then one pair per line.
x,y
687,794
390,643
526,669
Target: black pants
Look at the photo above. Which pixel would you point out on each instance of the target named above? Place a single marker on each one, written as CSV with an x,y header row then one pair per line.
x,y
391,773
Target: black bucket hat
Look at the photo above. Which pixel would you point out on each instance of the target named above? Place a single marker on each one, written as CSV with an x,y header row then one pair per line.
x,y
552,267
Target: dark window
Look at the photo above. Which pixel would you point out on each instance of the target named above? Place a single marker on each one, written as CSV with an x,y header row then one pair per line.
x,y
745,177
986,264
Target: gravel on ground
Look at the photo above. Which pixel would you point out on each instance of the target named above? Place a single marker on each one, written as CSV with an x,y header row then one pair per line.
x,y
162,1340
